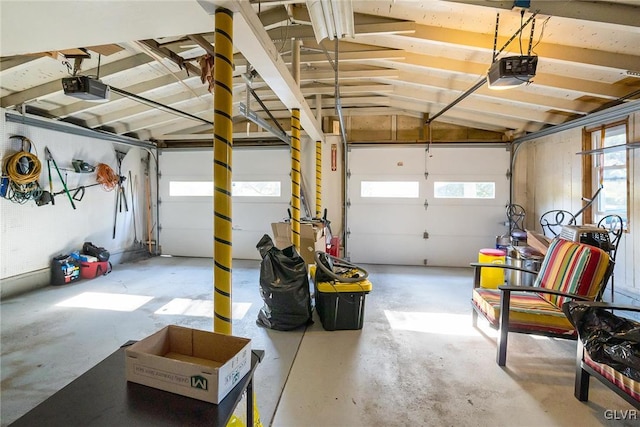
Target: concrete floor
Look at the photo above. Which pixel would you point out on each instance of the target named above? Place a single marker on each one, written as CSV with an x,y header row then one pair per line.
x,y
417,360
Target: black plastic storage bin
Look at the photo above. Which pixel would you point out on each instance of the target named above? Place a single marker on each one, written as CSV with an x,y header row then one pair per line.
x,y
340,306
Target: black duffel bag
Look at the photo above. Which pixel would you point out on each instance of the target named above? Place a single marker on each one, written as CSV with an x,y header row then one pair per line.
x,y
90,249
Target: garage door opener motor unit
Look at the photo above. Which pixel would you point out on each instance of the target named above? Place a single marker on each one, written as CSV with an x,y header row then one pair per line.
x,y
512,71
86,88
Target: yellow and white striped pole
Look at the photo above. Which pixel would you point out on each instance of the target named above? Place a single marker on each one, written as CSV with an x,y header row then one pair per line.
x,y
295,177
318,179
222,153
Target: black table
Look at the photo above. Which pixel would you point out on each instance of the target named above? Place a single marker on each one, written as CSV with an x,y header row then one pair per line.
x,y
103,397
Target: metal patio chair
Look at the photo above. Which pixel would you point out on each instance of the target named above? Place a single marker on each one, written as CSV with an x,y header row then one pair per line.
x,y
553,221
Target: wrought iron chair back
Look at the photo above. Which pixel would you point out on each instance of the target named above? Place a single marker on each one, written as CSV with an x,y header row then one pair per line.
x,y
615,227
515,216
553,221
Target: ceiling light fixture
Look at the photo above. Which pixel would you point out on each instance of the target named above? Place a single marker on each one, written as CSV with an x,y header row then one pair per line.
x,y
331,18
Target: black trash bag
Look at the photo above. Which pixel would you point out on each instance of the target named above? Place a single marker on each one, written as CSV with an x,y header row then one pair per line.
x,y
284,287
609,339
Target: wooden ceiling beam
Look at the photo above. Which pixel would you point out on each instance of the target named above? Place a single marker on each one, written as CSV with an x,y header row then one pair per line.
x,y
519,95
599,58
9,62
595,11
347,75
163,52
304,31
273,16
203,43
569,84
138,89
155,117
357,57
481,105
140,109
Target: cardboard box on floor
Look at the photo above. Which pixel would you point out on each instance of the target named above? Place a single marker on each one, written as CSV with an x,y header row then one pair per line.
x,y
198,364
312,238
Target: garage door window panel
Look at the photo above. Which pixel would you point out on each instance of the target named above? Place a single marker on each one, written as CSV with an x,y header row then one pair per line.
x,y
464,190
390,189
238,189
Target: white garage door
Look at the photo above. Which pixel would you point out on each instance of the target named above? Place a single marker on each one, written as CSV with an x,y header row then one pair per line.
x,y
261,194
411,206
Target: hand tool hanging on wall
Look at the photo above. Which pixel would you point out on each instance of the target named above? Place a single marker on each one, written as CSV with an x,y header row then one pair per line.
x,y
133,210
53,201
147,182
21,170
105,177
122,197
49,157
120,194
80,166
78,192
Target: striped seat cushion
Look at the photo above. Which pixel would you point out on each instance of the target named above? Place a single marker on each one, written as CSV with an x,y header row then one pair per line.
x,y
573,268
528,312
629,386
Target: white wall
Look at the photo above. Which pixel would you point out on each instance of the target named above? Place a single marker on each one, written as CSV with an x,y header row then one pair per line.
x,y
331,180
548,175
31,235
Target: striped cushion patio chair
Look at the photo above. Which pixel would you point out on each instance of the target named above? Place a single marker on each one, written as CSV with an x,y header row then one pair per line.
x,y
569,271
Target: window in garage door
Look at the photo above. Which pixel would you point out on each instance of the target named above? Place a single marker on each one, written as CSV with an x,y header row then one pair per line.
x,y
261,193
459,206
238,188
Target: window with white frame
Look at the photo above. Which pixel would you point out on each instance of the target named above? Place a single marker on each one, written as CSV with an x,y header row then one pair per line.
x,y
609,171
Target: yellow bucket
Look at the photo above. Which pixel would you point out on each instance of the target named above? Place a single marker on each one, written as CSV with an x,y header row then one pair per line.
x,y
491,277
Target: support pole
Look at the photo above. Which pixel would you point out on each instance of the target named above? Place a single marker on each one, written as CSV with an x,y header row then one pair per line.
x,y
318,179
295,177
222,153
319,160
295,153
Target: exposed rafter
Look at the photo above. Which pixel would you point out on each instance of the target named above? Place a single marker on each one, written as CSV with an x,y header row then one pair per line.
x,y
407,59
595,11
